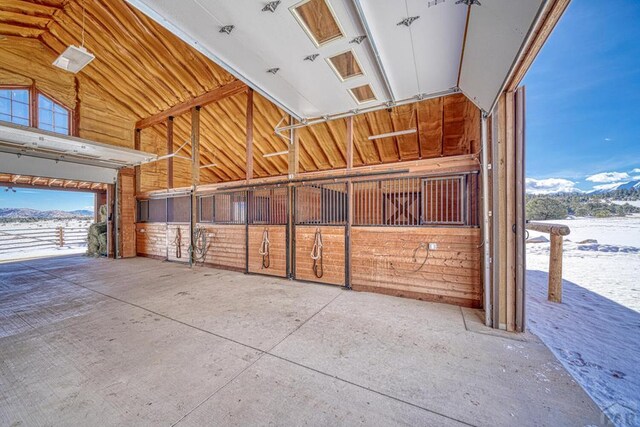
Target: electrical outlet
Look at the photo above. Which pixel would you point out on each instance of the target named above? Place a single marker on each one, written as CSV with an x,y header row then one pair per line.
x,y
433,246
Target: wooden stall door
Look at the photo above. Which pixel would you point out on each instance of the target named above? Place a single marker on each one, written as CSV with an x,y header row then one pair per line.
x,y
319,233
268,237
276,262
330,268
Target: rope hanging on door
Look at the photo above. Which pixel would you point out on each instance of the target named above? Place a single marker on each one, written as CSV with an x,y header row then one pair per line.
x,y
414,259
177,241
316,255
264,249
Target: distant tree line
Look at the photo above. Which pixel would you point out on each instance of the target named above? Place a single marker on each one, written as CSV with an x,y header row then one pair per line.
x,y
562,205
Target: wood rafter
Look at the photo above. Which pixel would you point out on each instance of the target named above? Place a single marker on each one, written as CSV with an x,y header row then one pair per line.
x,y
230,89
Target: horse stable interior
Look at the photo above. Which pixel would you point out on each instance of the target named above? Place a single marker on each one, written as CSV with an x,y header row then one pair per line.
x,y
369,146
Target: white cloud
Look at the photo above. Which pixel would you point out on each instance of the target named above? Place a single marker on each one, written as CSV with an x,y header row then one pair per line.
x,y
608,139
609,177
88,208
636,170
550,186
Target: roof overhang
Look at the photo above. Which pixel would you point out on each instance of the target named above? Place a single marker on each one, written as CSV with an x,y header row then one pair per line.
x,y
450,47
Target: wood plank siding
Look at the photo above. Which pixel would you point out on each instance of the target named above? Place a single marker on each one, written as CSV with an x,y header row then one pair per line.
x,y
382,260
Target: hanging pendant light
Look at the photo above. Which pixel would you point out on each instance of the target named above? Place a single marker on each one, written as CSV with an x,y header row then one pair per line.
x,y
75,58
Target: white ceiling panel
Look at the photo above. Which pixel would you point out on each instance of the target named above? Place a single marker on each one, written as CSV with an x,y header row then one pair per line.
x,y
497,30
424,57
399,62
264,40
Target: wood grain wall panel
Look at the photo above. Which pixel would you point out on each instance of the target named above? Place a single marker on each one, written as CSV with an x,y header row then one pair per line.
x,y
333,252
277,250
382,261
461,126
127,213
178,236
430,127
227,246
153,175
151,240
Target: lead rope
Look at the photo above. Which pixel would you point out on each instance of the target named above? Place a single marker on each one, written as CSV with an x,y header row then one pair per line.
x,y
414,259
264,249
316,255
178,242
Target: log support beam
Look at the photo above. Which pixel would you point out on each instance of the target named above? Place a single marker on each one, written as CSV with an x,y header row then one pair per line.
x,y
170,151
249,133
215,95
136,145
350,143
195,177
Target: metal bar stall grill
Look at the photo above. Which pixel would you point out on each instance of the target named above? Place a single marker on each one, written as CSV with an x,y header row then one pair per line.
x,y
268,212
223,208
417,201
221,230
319,243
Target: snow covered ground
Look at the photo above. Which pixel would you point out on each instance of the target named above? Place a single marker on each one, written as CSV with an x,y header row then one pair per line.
x,y
12,248
595,332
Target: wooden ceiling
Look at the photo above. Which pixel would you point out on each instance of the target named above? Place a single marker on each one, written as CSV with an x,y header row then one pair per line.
x,y
9,180
142,69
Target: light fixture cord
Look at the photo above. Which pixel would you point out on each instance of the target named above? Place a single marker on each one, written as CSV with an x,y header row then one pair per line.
x,y
82,23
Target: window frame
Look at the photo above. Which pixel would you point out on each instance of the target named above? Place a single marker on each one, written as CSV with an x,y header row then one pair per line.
x,y
55,102
29,104
33,95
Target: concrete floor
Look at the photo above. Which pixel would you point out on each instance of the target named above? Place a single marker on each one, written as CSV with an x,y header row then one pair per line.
x,y
142,342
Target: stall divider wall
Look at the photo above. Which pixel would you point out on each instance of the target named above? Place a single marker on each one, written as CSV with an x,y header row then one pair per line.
x,y
408,232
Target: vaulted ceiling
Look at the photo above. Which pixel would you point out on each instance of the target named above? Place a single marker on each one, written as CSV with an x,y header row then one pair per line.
x,y
141,69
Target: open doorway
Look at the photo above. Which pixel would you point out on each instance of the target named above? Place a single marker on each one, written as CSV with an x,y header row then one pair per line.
x,y
38,221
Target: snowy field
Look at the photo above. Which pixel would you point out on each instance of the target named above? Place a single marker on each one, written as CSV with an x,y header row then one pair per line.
x,y
595,332
36,239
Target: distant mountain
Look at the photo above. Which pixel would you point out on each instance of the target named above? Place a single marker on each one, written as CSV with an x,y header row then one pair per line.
x,y
20,213
604,189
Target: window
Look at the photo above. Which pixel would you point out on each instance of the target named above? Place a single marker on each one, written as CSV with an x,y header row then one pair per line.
x,y
14,106
363,94
52,116
318,20
346,65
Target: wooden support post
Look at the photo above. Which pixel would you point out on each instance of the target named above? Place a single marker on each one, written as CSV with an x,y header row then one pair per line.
x,y
136,145
195,176
294,152
76,111
61,236
350,143
249,148
170,151
510,206
555,269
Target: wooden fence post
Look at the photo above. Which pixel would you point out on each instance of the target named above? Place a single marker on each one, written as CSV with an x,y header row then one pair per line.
x,y
61,236
557,233
555,268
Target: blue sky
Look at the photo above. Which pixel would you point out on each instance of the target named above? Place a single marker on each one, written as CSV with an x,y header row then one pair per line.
x,y
583,98
45,199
